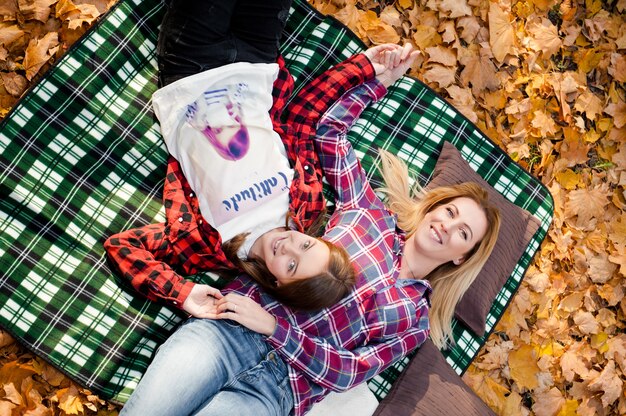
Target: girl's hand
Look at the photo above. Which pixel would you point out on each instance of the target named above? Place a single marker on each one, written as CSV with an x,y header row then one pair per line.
x,y
247,312
201,302
376,55
394,62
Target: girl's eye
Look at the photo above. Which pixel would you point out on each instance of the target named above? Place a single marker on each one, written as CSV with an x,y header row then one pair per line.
x,y
450,212
292,265
307,245
464,235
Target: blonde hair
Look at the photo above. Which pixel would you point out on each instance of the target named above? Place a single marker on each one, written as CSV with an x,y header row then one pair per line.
x,y
411,204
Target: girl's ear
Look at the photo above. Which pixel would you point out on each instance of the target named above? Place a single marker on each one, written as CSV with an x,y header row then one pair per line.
x,y
459,261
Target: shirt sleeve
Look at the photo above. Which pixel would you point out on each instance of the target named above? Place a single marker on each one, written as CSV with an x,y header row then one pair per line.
x,y
137,255
340,165
339,369
318,95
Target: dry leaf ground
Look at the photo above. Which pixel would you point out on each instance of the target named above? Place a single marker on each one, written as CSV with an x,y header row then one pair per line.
x,y
546,80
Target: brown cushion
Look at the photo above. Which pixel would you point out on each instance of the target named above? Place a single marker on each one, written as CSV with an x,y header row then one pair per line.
x,y
429,386
517,229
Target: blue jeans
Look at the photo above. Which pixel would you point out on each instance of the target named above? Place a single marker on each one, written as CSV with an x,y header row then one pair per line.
x,y
213,368
197,35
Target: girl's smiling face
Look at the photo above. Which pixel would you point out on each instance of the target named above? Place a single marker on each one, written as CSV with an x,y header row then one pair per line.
x,y
290,255
450,231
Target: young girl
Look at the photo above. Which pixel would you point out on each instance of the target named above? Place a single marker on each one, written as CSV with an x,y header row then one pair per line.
x,y
247,205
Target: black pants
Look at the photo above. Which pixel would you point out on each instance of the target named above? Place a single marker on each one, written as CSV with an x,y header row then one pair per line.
x,y
197,35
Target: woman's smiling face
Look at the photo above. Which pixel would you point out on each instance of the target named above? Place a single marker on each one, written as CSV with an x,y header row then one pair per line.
x,y
290,255
450,231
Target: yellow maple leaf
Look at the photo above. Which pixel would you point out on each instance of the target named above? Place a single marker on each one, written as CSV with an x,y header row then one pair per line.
x,y
440,75
588,59
441,55
617,350
587,204
12,394
569,408
523,366
548,403
518,150
15,372
491,392
586,322
69,400
612,294
568,179
617,69
350,16
455,8
87,13
479,72
405,4
36,9
469,28
463,100
598,341
617,229
501,34
544,37
9,33
618,111
609,382
572,363
600,267
572,302
513,405
425,36
589,104
63,7
618,256
38,52
544,123
574,150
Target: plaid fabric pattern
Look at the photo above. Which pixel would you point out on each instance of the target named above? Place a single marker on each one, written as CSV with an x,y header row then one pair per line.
x,y
81,157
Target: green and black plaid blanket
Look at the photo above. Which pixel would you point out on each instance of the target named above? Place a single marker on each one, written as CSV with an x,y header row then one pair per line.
x,y
82,158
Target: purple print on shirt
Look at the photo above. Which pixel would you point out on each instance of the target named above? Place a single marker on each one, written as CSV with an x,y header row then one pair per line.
x,y
218,115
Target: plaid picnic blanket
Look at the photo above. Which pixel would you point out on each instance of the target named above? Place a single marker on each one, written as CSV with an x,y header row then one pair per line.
x,y
82,158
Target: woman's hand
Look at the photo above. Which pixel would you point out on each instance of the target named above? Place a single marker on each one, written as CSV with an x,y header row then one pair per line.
x,y
247,312
201,302
377,54
391,61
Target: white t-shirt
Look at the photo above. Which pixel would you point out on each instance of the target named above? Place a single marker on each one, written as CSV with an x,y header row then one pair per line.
x,y
217,125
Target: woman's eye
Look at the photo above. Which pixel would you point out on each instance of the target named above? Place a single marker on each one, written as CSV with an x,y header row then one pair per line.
x,y
464,235
450,212
292,265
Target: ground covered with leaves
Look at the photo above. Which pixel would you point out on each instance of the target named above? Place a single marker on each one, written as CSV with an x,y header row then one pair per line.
x,y
546,80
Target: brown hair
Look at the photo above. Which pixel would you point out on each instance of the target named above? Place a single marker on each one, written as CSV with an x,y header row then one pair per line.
x,y
411,204
310,294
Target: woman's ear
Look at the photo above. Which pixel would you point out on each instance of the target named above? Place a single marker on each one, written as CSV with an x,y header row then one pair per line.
x,y
459,261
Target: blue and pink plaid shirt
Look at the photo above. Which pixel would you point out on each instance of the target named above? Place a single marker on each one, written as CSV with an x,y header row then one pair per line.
x,y
383,318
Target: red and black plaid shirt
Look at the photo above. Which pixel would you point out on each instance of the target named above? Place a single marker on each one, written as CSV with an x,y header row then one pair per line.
x,y
154,258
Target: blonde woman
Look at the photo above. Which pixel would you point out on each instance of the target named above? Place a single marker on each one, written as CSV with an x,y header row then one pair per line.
x,y
415,208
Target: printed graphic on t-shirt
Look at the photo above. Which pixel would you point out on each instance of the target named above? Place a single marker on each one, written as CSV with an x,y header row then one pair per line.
x,y
218,115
